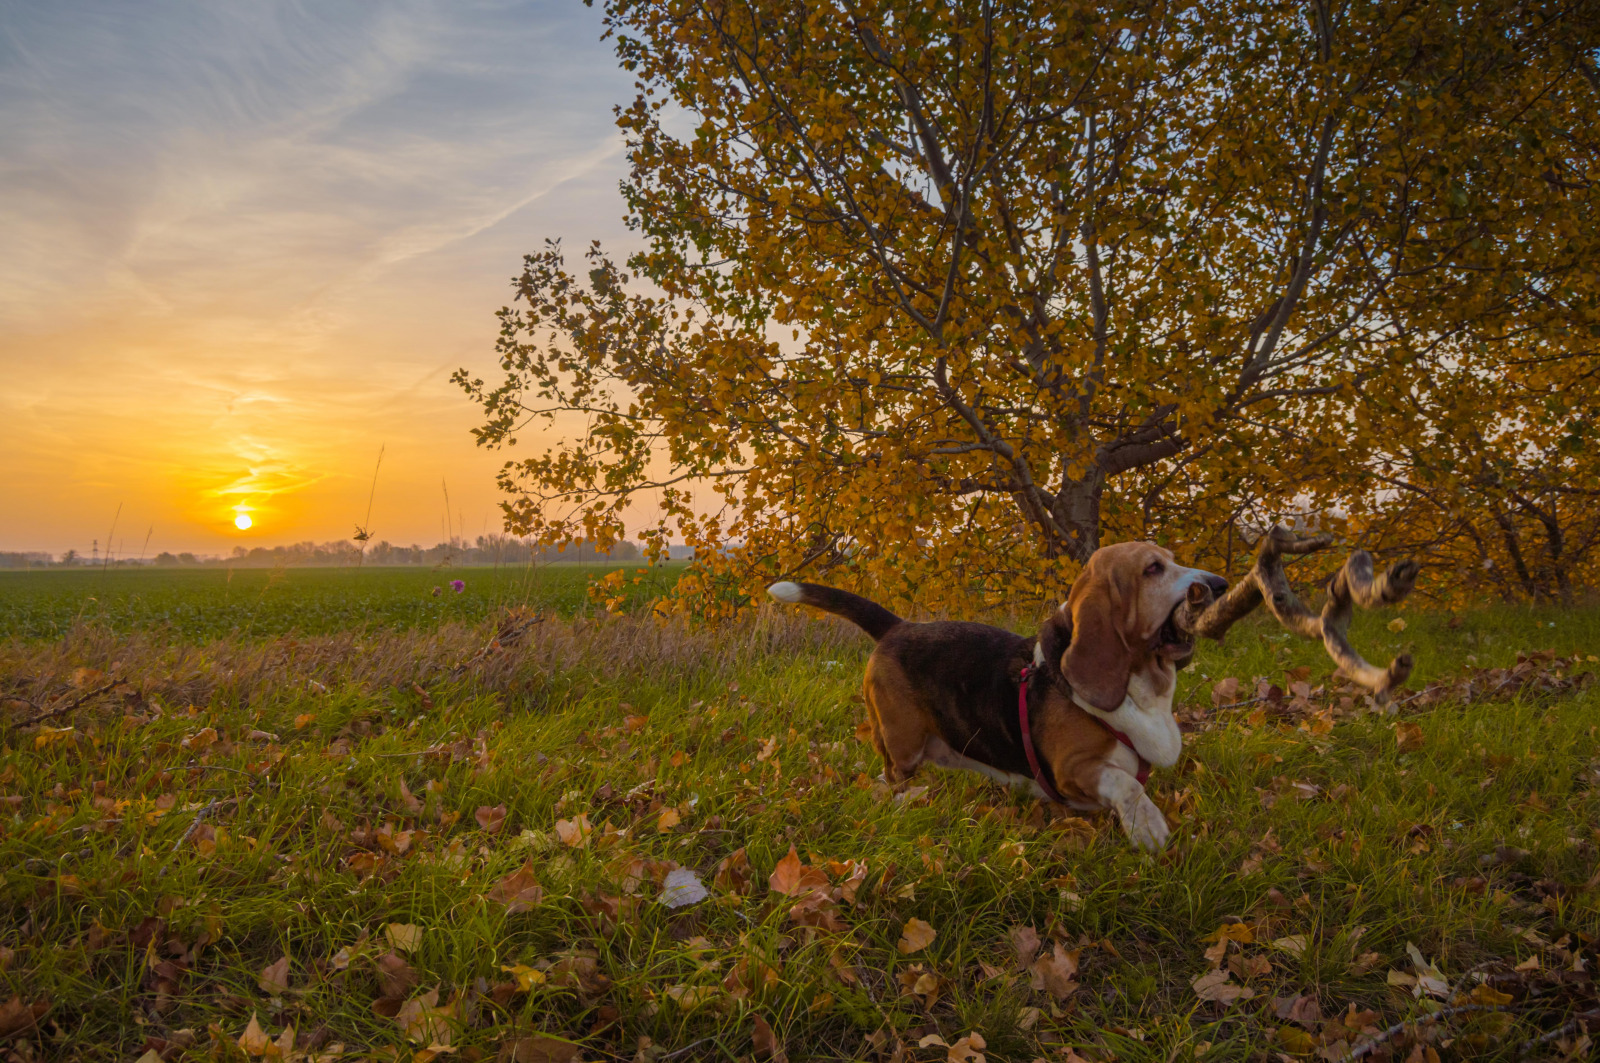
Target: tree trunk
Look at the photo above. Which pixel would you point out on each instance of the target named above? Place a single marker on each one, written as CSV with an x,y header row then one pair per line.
x,y
1077,510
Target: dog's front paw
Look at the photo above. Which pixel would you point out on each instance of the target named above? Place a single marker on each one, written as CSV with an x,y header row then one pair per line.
x,y
1146,826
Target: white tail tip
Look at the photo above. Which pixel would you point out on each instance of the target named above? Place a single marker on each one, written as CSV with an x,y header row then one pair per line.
x,y
785,591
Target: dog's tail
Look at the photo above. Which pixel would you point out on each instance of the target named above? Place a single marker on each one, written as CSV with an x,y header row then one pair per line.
x,y
870,617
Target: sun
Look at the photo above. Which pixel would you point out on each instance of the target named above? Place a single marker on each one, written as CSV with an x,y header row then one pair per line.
x,y
243,522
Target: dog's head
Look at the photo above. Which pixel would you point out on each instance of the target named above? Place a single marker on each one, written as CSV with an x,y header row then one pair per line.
x,y
1118,620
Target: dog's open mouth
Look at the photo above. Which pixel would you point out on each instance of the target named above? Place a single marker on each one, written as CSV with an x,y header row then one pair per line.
x,y
1171,640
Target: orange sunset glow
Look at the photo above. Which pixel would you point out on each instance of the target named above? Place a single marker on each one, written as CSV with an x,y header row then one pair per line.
x,y
225,293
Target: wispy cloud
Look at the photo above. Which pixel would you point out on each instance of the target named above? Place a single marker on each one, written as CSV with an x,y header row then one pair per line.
x,y
272,219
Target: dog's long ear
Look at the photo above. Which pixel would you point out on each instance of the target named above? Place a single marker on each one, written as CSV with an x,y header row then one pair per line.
x,y
1098,659
1055,635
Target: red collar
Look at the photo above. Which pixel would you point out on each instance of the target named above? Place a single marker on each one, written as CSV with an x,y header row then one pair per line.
x,y
1033,757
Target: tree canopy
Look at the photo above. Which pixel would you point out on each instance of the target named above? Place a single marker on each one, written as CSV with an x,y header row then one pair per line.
x,y
940,296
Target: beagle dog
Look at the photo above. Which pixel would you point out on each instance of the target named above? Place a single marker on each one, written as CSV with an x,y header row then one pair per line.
x,y
1094,689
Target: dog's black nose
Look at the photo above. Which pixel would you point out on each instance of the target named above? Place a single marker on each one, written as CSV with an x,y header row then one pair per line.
x,y
1218,585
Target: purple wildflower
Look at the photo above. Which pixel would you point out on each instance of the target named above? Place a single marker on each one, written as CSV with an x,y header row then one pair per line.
x,y
458,585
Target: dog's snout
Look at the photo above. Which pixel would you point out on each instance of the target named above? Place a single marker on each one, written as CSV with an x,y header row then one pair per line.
x,y
1218,585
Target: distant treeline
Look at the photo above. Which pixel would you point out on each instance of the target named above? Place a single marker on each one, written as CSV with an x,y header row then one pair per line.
x,y
485,550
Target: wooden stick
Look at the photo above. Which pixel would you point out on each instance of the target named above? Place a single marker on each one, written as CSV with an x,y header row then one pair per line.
x,y
1354,584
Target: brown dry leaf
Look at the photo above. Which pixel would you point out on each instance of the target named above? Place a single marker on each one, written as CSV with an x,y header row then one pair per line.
x,y
274,980
669,818
424,1021
916,936
864,731
1294,944
1214,985
574,832
397,842
1408,736
967,1050
519,891
763,1042
254,1040
1055,973
406,937
396,977
303,720
1296,1041
201,740
538,1049
1302,1009
490,819
733,873
1488,995
1025,941
748,978
82,677
689,997
1225,692
1239,932
792,879
15,1016
922,984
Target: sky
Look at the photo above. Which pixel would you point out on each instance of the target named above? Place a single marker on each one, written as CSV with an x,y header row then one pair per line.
x,y
247,242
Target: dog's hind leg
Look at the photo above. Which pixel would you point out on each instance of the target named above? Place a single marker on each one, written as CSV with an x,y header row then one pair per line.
x,y
900,728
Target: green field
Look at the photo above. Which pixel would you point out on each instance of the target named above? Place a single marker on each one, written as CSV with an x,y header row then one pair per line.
x,y
344,822
207,603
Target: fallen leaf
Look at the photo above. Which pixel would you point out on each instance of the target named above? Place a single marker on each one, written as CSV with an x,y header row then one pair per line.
x,y
274,980
490,819
15,1016
1225,692
201,740
1408,736
1397,625
967,1050
763,1042
689,997
574,832
682,887
254,1040
1529,964
1430,979
305,718
916,936
1239,932
538,1049
669,819
424,1021
519,891
1296,1041
527,977
733,873
1025,942
792,879
406,937
1214,985
396,977
1488,995
1294,944
1055,973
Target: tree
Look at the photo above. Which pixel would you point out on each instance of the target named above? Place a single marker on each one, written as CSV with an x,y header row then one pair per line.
x,y
1001,281
1501,486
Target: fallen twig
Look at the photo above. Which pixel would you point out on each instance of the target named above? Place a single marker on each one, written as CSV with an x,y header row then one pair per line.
x,y
1372,1046
62,710
1565,1028
195,824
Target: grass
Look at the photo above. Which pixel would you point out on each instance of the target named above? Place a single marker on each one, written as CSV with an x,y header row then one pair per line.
x,y
351,782
208,603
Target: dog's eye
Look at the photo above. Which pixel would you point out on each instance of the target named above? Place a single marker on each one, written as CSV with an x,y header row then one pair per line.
x,y
1153,569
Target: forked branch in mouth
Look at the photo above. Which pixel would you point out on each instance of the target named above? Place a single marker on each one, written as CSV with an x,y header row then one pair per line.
x,y
1354,584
